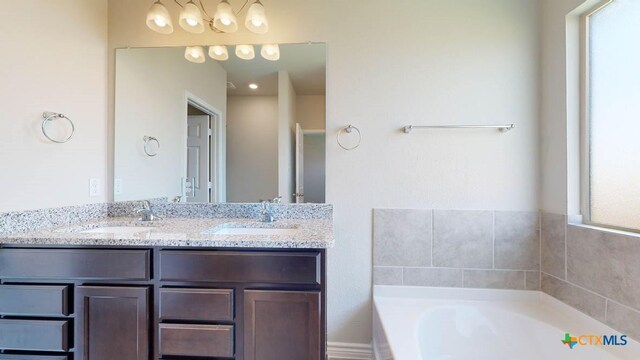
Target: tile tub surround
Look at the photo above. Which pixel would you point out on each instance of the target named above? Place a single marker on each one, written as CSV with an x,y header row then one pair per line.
x,y
596,271
456,248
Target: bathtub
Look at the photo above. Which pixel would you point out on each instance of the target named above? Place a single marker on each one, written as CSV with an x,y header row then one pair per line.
x,y
416,323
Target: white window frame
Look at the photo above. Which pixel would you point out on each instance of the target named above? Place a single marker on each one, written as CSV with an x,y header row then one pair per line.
x,y
585,131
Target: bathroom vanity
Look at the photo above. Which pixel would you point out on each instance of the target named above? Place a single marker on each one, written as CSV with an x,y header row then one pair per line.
x,y
177,288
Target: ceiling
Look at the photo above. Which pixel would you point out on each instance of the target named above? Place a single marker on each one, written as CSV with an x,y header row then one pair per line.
x,y
306,64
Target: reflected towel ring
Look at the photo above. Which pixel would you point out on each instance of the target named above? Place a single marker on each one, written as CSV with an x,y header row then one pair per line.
x,y
148,139
50,116
349,129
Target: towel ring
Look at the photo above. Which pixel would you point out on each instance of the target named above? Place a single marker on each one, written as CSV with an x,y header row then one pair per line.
x,y
148,139
50,116
349,129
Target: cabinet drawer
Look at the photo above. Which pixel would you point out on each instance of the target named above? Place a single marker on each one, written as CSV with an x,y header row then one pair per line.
x,y
196,340
31,300
248,267
34,335
32,357
74,264
196,304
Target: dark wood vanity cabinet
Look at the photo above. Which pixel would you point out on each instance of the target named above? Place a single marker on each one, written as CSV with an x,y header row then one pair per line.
x,y
112,322
161,303
282,325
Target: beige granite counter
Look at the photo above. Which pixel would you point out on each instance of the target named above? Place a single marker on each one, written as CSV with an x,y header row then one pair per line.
x,y
194,232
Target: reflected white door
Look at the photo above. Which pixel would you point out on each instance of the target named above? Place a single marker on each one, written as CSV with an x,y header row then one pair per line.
x,y
198,138
299,164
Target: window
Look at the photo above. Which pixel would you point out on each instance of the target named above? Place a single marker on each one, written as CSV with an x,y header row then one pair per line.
x,y
612,115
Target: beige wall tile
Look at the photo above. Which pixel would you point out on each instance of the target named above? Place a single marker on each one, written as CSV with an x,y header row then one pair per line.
x,y
553,244
517,240
463,239
494,279
401,237
583,300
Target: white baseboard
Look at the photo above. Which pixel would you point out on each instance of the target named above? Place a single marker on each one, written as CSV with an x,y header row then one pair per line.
x,y
349,351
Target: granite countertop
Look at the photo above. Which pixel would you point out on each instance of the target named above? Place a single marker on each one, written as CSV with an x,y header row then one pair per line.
x,y
195,232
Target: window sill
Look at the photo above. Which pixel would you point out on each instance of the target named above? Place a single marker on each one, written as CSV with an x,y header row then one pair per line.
x,y
577,222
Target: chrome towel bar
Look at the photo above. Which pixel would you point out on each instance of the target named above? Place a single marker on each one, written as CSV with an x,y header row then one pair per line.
x,y
503,128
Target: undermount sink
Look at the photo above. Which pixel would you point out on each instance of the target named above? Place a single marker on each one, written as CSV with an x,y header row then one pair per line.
x,y
118,230
256,231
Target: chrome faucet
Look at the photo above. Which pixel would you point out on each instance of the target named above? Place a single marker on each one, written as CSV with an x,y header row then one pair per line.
x,y
146,212
267,209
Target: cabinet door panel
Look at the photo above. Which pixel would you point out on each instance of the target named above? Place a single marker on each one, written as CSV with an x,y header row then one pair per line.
x,y
282,325
112,323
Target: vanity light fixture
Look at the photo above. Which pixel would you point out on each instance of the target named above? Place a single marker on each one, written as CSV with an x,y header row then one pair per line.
x,y
253,86
191,18
256,20
219,52
195,54
225,19
158,18
245,52
270,52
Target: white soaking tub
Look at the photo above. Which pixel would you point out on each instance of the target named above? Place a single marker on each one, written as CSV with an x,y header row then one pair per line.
x,y
419,323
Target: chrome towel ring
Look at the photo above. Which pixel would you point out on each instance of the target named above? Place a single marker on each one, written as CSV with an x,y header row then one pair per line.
x,y
349,130
50,116
147,140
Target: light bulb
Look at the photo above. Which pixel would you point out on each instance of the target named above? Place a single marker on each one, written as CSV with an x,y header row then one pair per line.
x,y
160,22
270,52
159,19
191,18
218,52
245,52
256,20
253,86
195,54
225,19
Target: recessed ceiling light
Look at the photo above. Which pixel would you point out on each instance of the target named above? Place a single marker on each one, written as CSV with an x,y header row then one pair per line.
x,y
253,86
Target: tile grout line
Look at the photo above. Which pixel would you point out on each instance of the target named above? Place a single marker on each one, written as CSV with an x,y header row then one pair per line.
x,y
578,286
540,249
493,245
566,255
432,236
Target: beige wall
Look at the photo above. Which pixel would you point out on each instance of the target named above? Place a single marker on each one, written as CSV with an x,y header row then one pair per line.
x,y
463,61
252,148
311,111
152,88
314,168
558,107
286,137
54,58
